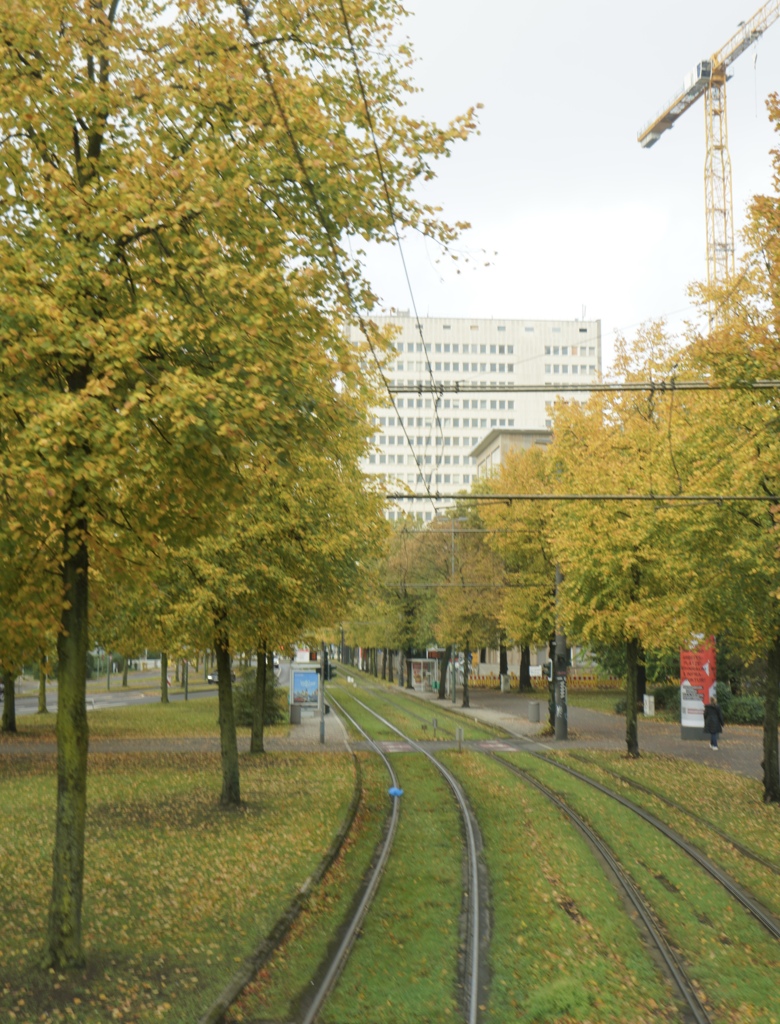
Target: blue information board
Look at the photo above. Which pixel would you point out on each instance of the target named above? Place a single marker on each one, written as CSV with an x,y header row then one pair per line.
x,y
305,686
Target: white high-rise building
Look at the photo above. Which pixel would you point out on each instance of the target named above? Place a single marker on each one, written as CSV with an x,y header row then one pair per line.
x,y
431,437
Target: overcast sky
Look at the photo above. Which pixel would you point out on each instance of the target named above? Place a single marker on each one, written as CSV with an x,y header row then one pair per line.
x,y
582,219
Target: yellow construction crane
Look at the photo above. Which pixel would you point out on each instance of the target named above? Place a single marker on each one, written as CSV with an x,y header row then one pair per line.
x,y
709,79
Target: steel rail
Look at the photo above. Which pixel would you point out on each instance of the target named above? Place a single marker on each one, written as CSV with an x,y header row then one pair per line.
x,y
673,965
341,956
753,907
471,842
744,850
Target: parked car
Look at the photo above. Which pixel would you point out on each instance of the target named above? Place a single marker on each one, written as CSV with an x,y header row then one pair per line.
x,y
213,677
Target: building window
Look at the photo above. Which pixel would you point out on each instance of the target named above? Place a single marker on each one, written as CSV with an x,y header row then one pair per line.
x,y
501,349
548,423
592,369
482,367
564,350
474,327
556,330
482,350
510,367
502,367
466,478
583,330
492,367
565,368
574,368
492,350
556,368
372,460
511,423
547,368
446,348
510,403
447,327
501,327
556,350
529,330
591,351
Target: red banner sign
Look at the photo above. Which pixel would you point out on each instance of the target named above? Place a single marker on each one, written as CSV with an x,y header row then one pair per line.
x,y
697,668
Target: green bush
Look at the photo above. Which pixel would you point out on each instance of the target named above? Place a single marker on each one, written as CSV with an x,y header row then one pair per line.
x,y
745,711
667,698
725,698
276,708
620,706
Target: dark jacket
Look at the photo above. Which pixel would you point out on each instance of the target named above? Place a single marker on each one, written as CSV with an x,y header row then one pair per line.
x,y
713,719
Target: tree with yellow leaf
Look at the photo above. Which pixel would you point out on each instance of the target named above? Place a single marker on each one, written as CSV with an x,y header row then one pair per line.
x,y
175,184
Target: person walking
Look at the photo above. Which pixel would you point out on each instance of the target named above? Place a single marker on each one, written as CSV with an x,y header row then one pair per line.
x,y
713,721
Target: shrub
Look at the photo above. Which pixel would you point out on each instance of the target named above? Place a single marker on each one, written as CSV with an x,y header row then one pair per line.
x,y
745,711
725,698
667,698
620,706
276,708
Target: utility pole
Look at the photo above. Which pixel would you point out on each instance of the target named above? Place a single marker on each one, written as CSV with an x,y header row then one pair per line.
x,y
323,674
561,666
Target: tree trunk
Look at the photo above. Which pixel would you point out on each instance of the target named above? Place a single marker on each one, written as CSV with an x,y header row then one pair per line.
x,y
186,679
108,670
164,678
641,675
42,685
503,663
375,661
390,667
551,709
9,702
772,693
231,789
632,730
525,669
409,684
258,707
124,670
63,946
384,663
445,662
177,678
466,663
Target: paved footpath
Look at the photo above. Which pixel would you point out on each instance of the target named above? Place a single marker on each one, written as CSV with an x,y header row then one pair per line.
x,y
741,747
740,751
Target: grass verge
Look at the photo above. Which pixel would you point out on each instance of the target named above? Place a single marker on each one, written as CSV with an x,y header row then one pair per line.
x,y
404,965
730,957
413,715
563,947
276,992
176,890
729,802
197,717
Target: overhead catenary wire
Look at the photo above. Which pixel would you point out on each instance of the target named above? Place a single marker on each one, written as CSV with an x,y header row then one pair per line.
x,y
321,216
671,498
390,205
655,387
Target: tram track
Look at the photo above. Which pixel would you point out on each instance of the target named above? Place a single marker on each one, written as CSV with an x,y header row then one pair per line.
x,y
331,971
756,909
649,791
673,968
475,891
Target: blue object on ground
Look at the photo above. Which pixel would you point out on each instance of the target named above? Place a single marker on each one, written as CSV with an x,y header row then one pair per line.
x,y
395,791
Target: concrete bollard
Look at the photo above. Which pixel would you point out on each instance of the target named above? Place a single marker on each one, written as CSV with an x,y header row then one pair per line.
x,y
533,710
459,738
505,684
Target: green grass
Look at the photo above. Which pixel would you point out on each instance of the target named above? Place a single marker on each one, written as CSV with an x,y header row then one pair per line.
x,y
405,712
194,718
176,890
563,947
275,993
737,809
596,700
727,953
403,967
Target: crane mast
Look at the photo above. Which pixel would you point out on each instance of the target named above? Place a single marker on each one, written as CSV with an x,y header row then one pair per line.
x,y
709,79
